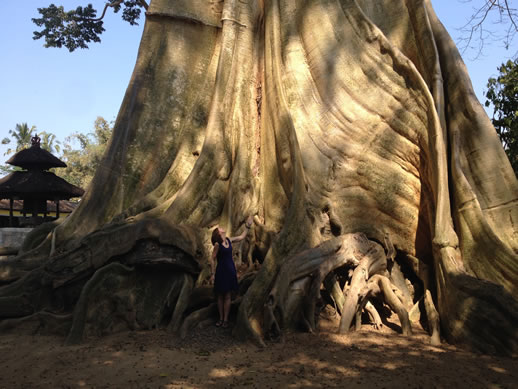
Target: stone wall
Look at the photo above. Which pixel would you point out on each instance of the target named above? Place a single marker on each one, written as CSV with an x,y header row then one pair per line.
x,y
12,237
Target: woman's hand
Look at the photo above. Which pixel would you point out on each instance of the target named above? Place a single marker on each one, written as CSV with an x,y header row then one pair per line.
x,y
248,224
249,221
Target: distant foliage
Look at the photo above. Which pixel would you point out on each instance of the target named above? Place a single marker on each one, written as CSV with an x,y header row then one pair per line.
x,y
21,135
83,161
502,93
81,152
49,142
77,28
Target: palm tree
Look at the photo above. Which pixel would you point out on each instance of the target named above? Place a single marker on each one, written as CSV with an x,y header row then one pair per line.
x,y
49,142
22,134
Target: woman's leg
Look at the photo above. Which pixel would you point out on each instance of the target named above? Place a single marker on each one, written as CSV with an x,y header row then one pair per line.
x,y
221,299
226,306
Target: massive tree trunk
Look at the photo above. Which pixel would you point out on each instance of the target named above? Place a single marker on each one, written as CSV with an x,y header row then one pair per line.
x,y
348,128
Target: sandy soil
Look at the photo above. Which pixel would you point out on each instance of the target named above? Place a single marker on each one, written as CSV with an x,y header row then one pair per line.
x,y
211,358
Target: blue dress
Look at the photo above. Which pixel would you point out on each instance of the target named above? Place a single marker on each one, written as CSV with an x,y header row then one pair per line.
x,y
225,279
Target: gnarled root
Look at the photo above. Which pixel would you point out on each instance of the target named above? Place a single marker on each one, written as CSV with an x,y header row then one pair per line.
x,y
118,297
303,274
373,261
380,285
131,276
113,274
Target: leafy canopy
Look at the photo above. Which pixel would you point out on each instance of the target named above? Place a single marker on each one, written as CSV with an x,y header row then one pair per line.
x,y
502,93
76,28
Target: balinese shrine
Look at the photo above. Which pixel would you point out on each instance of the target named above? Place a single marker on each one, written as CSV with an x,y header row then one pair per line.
x,y
36,189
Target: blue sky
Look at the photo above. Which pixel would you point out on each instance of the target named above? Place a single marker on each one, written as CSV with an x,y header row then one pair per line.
x,y
62,92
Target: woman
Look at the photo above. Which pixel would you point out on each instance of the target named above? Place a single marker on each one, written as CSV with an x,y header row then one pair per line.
x,y
225,274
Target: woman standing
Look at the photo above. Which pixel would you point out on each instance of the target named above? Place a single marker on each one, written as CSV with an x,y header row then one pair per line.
x,y
225,274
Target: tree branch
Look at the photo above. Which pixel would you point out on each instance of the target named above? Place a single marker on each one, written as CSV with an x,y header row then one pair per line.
x,y
144,4
106,6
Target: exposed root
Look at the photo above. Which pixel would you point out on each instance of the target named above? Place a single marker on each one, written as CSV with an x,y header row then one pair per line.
x,y
181,303
302,276
271,327
433,319
374,315
39,323
333,288
197,317
374,261
16,306
81,310
380,285
316,263
398,280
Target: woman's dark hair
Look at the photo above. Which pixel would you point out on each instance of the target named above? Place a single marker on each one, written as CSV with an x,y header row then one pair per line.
x,y
216,237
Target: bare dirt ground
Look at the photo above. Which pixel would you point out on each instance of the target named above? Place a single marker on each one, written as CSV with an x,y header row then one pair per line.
x,y
211,358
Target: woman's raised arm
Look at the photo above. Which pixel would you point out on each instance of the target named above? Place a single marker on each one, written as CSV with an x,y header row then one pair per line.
x,y
248,224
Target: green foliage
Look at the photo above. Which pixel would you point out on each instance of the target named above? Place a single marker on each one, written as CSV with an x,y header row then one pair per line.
x,y
502,93
81,152
5,170
82,162
76,28
22,135
49,142
71,29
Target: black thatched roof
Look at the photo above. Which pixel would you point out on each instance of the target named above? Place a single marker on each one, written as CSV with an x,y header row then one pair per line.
x,y
35,158
37,184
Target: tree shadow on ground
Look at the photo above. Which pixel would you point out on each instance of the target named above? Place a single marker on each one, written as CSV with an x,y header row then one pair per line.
x,y
210,358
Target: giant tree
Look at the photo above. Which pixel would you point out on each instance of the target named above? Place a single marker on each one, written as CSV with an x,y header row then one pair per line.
x,y
351,132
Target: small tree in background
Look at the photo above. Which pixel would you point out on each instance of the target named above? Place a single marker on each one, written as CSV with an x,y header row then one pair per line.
x,y
83,161
502,93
